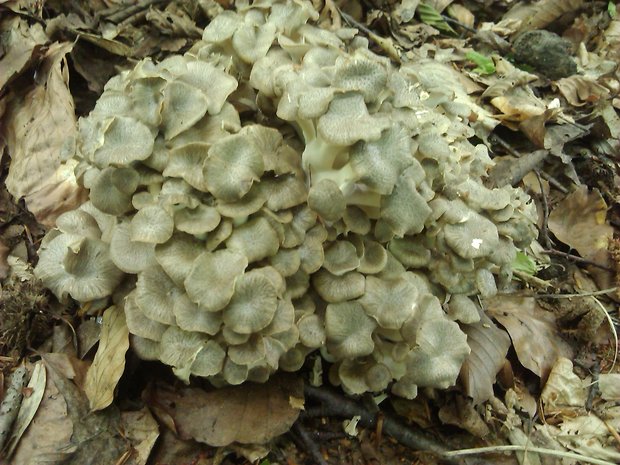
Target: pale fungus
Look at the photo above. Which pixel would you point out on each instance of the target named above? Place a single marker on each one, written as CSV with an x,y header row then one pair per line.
x,y
280,190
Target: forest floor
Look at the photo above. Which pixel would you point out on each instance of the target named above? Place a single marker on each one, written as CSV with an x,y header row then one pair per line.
x,y
546,71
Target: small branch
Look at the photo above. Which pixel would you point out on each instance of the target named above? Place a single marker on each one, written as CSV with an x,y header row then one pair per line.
x,y
545,205
575,258
310,445
338,405
527,448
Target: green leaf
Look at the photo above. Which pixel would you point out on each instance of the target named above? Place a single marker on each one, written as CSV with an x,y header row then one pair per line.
x,y
484,64
524,264
611,9
429,15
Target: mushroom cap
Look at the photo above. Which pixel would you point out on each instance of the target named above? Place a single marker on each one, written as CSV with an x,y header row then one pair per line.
x,y
146,349
222,27
253,304
380,162
180,348
334,288
233,164
182,107
78,223
79,267
374,258
405,210
216,84
311,331
130,256
390,302
252,43
255,239
473,238
211,280
248,353
209,361
156,294
151,224
125,140
138,323
197,221
112,190
348,330
441,349
463,309
327,200
335,125
358,73
183,160
177,255
190,317
340,257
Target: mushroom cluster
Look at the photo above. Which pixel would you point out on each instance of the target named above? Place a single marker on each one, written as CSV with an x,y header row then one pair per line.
x,y
278,190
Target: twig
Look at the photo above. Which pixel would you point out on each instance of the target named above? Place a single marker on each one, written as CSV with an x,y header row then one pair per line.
x,y
385,44
570,296
575,258
594,389
310,445
120,15
612,326
554,182
338,405
11,402
447,19
527,448
545,204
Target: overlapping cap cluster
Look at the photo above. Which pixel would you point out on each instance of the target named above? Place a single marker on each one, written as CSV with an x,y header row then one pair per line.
x,y
281,189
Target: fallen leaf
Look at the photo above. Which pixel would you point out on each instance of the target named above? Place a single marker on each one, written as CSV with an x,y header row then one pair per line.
x,y
36,128
540,14
581,90
533,332
109,362
142,431
48,437
518,104
29,406
96,438
590,436
489,346
247,414
563,388
461,412
4,265
461,14
609,384
579,222
21,45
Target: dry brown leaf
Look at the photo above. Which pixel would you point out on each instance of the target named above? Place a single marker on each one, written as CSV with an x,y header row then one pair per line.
x,y
534,127
109,362
4,265
29,406
489,346
461,412
247,414
518,104
21,45
462,15
48,438
142,431
579,221
580,90
537,15
37,125
533,332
